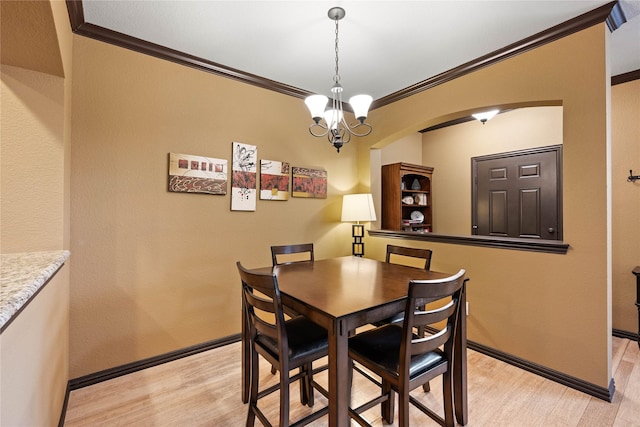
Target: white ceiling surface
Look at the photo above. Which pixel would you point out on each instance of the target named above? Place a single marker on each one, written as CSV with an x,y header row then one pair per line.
x,y
385,46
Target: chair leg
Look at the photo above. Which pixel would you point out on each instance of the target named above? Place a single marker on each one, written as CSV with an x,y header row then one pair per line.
x,y
426,387
387,405
304,385
447,393
253,389
273,370
403,408
284,398
309,385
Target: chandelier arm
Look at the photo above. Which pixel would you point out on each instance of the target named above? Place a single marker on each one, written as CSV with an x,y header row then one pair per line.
x,y
324,131
367,130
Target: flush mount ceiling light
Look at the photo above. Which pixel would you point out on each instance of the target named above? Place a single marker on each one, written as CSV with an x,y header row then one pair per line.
x,y
484,117
330,122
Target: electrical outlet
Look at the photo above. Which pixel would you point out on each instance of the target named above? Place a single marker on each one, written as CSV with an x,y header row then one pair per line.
x,y
467,308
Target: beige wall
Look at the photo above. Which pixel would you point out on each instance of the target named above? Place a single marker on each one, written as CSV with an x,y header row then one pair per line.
x,y
625,153
33,153
524,303
34,203
154,271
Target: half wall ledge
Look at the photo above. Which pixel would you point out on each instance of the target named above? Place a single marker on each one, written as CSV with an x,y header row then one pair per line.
x,y
22,276
534,245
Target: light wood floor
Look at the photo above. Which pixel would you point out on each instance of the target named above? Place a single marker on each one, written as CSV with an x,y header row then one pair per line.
x,y
204,390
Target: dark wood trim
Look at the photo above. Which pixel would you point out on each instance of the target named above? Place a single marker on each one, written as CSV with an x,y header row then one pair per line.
x,y
625,334
65,405
449,123
626,77
564,29
603,393
76,13
534,245
132,367
80,27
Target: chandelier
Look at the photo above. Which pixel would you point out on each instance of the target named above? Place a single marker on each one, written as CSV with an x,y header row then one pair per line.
x,y
330,122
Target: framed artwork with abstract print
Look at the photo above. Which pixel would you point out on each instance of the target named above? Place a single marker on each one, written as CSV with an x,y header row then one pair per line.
x,y
274,180
190,173
243,177
309,183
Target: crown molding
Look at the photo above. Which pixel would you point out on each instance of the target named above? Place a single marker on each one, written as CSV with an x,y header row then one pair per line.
x,y
626,77
80,27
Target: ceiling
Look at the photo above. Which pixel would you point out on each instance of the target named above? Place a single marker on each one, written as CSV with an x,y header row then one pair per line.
x,y
385,46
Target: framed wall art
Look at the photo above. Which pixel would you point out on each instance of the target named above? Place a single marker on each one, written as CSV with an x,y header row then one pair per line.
x,y
309,183
189,173
274,180
243,177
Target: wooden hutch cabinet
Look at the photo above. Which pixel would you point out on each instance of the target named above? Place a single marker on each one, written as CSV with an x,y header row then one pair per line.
x,y
406,197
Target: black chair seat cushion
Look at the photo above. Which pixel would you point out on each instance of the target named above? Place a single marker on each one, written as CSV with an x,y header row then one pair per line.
x,y
381,346
305,338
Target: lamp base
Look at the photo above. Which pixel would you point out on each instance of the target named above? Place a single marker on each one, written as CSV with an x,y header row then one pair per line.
x,y
357,247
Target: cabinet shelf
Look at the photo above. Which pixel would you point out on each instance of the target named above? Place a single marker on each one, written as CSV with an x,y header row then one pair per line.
x,y
397,180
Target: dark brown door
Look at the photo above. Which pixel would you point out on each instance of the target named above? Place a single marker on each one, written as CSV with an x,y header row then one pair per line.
x,y
518,194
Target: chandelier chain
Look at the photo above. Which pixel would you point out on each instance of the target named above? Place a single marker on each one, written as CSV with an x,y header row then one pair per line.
x,y
336,78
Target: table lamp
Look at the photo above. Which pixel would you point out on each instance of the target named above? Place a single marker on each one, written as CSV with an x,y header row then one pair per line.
x,y
358,207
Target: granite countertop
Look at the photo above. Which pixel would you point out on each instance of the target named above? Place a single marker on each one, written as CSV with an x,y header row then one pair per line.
x,y
22,275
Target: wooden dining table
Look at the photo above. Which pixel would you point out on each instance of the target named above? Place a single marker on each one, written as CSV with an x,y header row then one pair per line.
x,y
342,294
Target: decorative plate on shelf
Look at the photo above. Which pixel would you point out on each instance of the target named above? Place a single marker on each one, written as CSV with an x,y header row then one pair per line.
x,y
417,215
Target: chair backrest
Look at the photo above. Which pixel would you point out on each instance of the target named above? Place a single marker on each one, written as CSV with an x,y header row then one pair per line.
x,y
286,254
397,254
440,321
263,306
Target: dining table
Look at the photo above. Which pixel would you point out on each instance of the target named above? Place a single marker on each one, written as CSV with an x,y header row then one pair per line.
x,y
345,293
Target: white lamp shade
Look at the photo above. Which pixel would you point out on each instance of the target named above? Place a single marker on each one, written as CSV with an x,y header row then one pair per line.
x,y
358,207
332,117
360,105
487,115
316,105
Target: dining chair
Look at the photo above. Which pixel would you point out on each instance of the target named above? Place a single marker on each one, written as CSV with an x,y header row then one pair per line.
x,y
413,257
405,360
288,345
406,256
285,254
